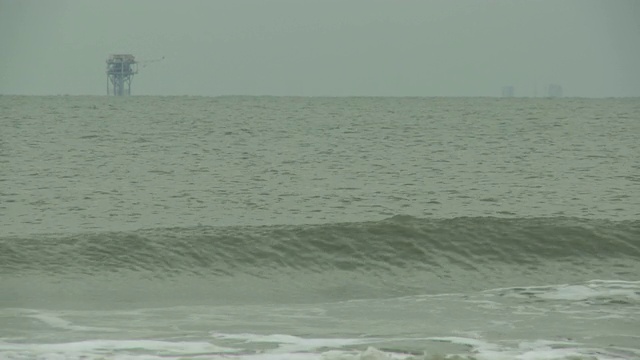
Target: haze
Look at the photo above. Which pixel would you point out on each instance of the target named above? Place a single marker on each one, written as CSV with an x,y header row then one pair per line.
x,y
324,48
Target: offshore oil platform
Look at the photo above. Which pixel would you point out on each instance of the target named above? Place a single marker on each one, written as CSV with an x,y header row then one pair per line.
x,y
120,71
508,91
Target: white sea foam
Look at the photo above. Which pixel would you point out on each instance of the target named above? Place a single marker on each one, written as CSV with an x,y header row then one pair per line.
x,y
155,350
580,292
576,292
56,321
117,349
289,343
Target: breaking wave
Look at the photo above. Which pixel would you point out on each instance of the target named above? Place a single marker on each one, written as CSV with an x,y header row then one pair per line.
x,y
400,242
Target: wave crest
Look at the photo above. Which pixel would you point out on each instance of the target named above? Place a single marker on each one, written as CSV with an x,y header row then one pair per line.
x,y
400,242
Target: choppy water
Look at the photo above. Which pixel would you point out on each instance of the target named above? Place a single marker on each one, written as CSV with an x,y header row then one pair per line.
x,y
319,228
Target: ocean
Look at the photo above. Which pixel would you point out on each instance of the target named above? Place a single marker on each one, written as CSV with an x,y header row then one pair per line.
x,y
312,228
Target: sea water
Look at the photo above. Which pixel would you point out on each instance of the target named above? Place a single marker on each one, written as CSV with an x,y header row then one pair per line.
x,y
319,228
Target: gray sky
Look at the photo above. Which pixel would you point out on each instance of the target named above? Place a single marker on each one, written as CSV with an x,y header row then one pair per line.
x,y
324,47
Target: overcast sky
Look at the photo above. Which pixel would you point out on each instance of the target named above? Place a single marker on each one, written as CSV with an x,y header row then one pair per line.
x,y
324,47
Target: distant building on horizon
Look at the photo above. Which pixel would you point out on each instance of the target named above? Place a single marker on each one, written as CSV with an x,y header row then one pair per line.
x,y
554,91
508,91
